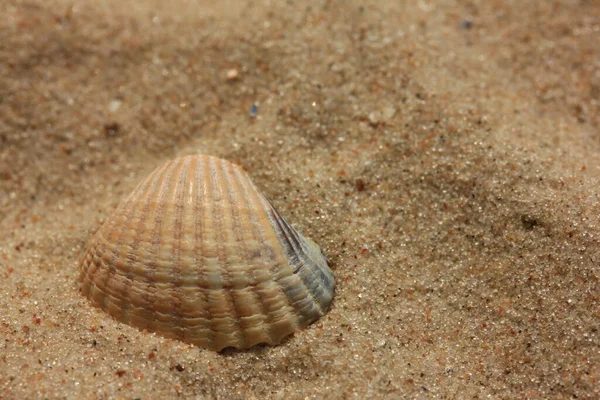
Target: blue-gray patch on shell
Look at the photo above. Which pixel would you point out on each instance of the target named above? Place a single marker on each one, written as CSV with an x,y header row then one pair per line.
x,y
309,264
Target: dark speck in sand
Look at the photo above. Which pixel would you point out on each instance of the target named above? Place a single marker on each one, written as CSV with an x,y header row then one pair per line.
x,y
360,184
466,24
528,222
111,129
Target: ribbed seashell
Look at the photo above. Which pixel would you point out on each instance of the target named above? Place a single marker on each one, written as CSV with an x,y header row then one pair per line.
x,y
197,253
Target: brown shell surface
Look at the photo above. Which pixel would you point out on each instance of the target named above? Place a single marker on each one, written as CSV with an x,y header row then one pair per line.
x,y
197,253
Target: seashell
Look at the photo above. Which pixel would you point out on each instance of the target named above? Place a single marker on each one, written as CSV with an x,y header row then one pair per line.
x,y
197,253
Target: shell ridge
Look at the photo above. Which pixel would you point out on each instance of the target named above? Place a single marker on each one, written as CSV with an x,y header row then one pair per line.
x,y
266,207
218,224
176,252
314,277
290,235
300,259
236,184
226,285
255,203
199,229
306,313
240,244
290,229
111,225
84,265
287,287
153,183
306,260
150,296
308,268
326,274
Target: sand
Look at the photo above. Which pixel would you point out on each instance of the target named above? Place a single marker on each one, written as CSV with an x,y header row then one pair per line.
x,y
444,154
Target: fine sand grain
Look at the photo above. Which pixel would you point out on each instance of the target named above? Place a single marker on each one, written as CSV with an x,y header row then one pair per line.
x,y
445,154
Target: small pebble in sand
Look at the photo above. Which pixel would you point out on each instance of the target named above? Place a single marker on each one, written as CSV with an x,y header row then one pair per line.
x,y
232,74
114,106
466,24
383,115
253,112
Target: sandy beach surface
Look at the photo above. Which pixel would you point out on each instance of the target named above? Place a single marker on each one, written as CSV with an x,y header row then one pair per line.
x,y
445,154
